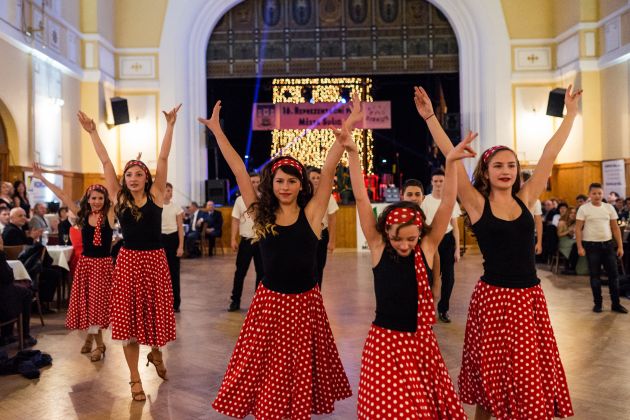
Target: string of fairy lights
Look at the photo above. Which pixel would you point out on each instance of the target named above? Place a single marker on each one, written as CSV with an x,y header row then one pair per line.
x,y
311,146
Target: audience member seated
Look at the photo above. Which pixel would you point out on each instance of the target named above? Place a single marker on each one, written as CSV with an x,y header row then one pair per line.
x,y
14,299
562,210
214,224
63,228
4,218
20,198
6,194
612,198
195,220
566,240
580,199
550,235
38,221
622,210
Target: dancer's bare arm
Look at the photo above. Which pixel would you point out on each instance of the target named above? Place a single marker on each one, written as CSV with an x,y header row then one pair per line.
x,y
159,183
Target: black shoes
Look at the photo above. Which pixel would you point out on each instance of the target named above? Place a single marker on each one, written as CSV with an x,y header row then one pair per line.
x,y
443,316
234,307
619,309
597,308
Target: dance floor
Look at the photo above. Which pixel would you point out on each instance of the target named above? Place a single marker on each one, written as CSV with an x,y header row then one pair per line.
x,y
595,348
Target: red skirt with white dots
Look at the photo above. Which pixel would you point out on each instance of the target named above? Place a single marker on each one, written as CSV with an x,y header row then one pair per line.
x,y
142,298
511,365
90,293
285,364
403,376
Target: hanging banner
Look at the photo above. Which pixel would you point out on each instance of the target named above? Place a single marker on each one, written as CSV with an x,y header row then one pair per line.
x,y
614,175
321,115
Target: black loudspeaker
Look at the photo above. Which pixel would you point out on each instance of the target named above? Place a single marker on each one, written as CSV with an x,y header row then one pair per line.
x,y
555,105
120,110
216,190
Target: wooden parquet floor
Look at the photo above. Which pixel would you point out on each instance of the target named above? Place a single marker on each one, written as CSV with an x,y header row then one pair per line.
x,y
595,348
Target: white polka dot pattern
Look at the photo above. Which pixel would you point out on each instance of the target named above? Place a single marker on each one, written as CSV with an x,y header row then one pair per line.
x,y
142,298
90,293
403,376
511,365
285,364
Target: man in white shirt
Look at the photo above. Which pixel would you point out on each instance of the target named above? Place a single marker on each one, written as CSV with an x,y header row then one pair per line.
x,y
329,223
449,247
173,240
196,220
595,228
243,225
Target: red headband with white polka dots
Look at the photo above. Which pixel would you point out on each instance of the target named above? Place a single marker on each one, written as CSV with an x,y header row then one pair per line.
x,y
403,215
286,162
491,151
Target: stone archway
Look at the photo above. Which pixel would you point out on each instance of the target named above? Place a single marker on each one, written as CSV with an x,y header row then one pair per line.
x,y
485,70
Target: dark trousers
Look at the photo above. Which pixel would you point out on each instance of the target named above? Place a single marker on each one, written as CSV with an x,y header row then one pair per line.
x,y
598,253
49,279
447,265
189,241
13,300
573,258
171,242
322,253
246,251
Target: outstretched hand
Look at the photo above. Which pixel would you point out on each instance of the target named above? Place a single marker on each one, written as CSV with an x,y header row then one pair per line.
x,y
37,171
463,149
356,114
423,102
344,137
571,100
214,122
171,116
86,122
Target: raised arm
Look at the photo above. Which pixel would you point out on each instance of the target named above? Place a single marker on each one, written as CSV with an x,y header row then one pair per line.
x,y
230,155
111,180
444,212
159,183
536,184
65,198
471,198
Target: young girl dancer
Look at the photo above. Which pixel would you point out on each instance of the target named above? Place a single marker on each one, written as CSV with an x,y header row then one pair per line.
x,y
142,296
285,364
92,277
403,374
511,367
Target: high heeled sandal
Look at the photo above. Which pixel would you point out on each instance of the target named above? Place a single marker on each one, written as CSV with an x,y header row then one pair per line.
x,y
87,346
159,366
136,394
98,353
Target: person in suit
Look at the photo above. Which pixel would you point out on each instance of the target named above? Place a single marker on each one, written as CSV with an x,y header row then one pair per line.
x,y
14,233
214,224
196,218
38,221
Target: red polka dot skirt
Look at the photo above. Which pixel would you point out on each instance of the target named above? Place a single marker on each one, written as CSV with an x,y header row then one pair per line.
x,y
90,293
403,376
285,364
142,298
511,365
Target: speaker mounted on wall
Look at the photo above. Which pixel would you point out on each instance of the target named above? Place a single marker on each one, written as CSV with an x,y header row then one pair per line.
x,y
555,105
120,110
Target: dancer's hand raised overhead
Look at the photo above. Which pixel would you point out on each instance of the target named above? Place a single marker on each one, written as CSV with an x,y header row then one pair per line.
x,y
86,122
423,102
171,116
214,122
344,134
571,100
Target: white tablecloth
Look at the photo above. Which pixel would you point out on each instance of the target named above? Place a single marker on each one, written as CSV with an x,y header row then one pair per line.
x,y
19,272
60,254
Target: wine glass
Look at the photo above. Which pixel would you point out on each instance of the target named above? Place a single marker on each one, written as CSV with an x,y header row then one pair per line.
x,y
65,239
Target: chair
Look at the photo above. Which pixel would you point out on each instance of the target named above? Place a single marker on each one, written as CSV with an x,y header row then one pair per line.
x,y
554,264
19,320
13,251
218,244
202,242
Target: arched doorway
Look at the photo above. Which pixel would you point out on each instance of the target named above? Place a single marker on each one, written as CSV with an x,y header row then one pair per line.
x,y
4,152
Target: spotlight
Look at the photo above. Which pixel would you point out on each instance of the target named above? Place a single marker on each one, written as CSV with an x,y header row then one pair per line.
x,y
307,94
345,95
287,94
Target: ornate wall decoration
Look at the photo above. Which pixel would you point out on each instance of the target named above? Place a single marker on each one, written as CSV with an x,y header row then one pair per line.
x,y
358,10
271,12
302,11
330,11
388,10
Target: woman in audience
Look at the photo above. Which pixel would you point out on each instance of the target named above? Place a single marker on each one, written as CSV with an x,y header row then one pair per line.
x,y
142,296
285,363
566,240
20,198
403,374
6,195
511,366
88,308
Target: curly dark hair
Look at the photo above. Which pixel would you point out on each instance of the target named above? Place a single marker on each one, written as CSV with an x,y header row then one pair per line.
x,y
381,223
481,183
85,209
265,208
125,200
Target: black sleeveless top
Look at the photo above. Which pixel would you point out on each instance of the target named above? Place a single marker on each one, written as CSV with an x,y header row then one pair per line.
x,y
289,257
144,234
87,236
396,290
507,248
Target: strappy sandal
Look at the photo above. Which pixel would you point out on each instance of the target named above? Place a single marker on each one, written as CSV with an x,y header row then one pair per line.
x,y
138,395
87,346
159,365
98,353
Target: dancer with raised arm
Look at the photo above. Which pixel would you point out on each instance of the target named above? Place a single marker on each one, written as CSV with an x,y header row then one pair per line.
x,y
89,304
403,374
511,366
142,296
285,364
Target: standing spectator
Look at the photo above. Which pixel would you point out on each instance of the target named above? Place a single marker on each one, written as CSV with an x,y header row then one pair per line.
x,y
580,199
4,218
38,221
449,245
214,225
246,249
196,218
595,229
6,192
173,240
20,199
